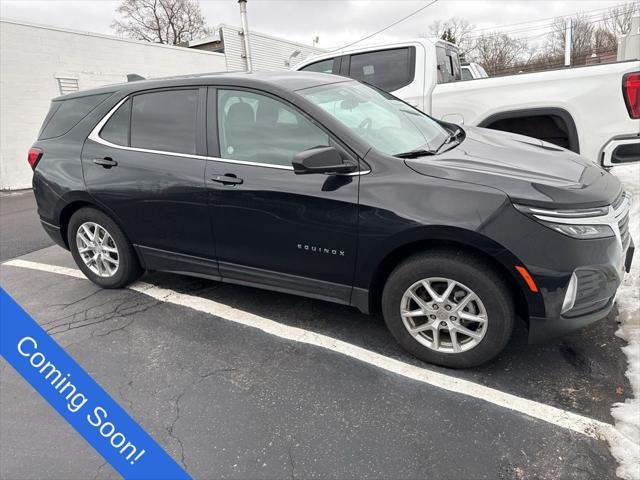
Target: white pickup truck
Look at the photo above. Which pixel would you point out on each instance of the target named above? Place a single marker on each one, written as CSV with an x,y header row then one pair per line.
x,y
592,110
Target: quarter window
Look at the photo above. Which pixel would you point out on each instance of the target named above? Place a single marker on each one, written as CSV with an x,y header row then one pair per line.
x,y
165,121
386,69
256,128
324,66
66,114
116,130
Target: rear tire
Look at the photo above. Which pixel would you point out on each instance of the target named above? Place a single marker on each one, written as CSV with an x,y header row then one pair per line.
x,y
450,333
101,250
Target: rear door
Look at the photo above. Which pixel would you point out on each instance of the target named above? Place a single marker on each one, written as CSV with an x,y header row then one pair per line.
x,y
145,163
273,227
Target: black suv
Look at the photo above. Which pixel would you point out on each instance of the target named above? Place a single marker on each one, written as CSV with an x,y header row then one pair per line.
x,y
322,186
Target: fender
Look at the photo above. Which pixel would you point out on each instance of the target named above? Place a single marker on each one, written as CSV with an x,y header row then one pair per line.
x,y
369,274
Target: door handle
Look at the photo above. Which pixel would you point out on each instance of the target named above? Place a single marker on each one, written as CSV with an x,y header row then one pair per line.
x,y
228,179
106,162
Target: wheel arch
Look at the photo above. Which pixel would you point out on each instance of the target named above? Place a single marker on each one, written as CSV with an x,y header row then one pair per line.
x,y
500,259
75,201
541,114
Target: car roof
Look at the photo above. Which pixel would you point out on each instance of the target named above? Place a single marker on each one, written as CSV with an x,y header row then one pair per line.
x,y
278,80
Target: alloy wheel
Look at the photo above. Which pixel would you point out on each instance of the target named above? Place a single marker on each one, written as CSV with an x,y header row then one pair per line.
x,y
98,249
444,315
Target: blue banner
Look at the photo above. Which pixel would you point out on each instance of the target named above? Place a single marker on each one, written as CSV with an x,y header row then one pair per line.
x,y
79,399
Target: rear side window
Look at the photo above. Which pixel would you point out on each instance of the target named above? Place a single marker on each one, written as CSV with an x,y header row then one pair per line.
x,y
116,130
386,69
65,114
165,121
324,66
448,64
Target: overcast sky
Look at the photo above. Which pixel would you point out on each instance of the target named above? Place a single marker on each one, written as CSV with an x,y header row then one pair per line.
x,y
336,22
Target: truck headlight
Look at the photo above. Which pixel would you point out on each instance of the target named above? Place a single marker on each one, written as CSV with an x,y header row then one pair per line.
x,y
588,223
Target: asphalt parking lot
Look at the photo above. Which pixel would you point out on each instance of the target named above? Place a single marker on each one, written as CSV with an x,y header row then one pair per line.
x,y
231,401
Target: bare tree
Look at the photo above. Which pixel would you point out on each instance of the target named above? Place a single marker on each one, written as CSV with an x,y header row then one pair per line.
x,y
618,19
455,30
498,52
161,21
582,38
604,41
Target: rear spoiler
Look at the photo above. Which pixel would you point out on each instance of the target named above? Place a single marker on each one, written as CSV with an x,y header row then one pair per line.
x,y
134,77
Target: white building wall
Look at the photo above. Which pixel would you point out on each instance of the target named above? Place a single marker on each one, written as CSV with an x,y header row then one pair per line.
x,y
267,52
32,56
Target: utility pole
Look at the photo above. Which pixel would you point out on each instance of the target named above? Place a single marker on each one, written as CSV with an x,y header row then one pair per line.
x,y
568,41
245,34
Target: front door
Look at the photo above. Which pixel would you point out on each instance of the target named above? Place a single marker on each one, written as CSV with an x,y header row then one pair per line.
x,y
273,227
146,165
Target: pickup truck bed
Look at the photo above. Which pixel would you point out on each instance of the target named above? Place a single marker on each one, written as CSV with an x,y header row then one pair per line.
x,y
582,108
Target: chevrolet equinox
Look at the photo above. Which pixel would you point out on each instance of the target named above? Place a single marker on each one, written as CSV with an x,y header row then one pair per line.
x,y
326,187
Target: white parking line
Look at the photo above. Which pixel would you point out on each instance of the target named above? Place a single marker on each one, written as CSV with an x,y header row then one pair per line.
x,y
553,415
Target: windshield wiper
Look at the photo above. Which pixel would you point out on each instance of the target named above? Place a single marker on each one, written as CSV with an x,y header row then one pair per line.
x,y
450,138
420,152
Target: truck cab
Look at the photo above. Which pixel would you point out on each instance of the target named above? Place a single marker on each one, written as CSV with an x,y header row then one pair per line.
x,y
409,69
582,109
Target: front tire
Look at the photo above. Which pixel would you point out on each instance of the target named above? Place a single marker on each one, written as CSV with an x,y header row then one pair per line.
x,y
448,308
101,250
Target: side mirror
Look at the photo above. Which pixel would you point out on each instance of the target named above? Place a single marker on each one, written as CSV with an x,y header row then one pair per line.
x,y
321,160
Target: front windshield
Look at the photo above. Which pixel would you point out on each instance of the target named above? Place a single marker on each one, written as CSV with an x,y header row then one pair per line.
x,y
380,119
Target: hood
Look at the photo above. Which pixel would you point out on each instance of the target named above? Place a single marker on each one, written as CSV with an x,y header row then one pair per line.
x,y
528,170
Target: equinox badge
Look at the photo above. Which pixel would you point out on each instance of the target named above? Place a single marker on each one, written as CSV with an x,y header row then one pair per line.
x,y
316,249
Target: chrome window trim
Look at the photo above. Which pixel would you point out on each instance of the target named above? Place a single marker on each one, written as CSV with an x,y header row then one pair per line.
x,y
95,136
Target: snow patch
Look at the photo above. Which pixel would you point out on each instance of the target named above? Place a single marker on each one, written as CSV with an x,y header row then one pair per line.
x,y
625,439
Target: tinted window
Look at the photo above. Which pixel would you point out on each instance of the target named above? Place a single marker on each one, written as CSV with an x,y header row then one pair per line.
x,y
65,114
325,66
386,69
165,121
116,130
466,74
257,128
448,64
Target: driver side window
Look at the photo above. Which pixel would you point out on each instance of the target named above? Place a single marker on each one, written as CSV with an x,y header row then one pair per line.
x,y
257,128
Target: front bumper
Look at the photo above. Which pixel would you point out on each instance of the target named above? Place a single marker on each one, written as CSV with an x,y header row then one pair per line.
x,y
595,301
542,329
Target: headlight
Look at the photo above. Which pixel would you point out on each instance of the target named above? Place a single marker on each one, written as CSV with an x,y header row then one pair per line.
x,y
584,224
582,231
